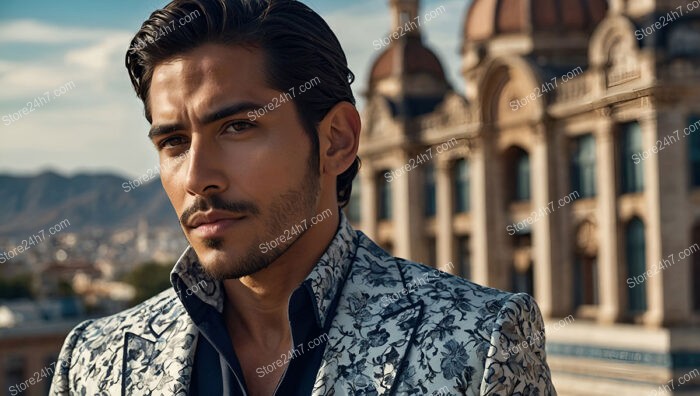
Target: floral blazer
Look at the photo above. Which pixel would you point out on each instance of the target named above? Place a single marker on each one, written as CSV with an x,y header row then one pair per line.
x,y
400,328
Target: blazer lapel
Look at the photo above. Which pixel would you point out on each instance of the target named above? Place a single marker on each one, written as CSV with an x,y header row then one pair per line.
x,y
160,359
373,328
389,356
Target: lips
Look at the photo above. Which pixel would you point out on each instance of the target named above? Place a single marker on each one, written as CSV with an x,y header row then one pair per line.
x,y
213,225
211,218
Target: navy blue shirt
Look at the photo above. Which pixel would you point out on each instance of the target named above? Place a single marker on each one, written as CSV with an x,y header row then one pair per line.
x,y
216,369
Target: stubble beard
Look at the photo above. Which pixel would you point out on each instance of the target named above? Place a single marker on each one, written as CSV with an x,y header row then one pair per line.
x,y
285,211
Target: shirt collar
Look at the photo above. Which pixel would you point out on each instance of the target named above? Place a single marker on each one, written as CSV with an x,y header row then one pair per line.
x,y
324,281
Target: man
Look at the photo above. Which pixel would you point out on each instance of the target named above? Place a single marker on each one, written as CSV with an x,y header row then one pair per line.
x,y
277,294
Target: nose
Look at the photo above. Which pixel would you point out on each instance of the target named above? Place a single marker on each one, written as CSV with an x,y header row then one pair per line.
x,y
205,171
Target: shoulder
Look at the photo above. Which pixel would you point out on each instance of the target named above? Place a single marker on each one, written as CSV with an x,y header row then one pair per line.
x,y
95,349
424,278
162,304
462,327
433,286
420,282
444,296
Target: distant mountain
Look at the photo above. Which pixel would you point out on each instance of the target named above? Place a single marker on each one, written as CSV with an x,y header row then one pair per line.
x,y
88,201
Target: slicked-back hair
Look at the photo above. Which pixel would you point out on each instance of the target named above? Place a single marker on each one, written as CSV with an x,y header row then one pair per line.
x,y
297,44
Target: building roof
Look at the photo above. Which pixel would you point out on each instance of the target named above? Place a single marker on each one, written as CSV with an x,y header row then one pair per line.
x,y
407,56
489,18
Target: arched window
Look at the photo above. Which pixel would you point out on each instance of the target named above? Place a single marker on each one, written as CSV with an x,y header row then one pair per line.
x,y
432,252
430,204
586,289
694,151
461,186
635,254
353,210
517,165
384,206
523,281
522,177
464,257
522,277
632,177
583,163
585,280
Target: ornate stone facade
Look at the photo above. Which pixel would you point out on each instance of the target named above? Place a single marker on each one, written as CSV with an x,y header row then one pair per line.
x,y
554,186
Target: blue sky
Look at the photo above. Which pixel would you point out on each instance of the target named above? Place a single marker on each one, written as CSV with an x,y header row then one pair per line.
x,y
96,123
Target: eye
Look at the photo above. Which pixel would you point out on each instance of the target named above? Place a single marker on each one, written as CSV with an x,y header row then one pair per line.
x,y
172,141
236,127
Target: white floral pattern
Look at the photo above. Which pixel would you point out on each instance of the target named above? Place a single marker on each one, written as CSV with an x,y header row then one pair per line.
x,y
439,334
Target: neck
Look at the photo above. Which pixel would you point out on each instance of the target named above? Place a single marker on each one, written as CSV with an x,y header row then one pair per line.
x,y
256,306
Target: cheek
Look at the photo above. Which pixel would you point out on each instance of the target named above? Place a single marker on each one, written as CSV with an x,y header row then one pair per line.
x,y
174,190
275,168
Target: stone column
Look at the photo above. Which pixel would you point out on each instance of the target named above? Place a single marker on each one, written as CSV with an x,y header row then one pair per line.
x,y
564,227
654,292
368,199
401,216
608,263
668,229
482,201
445,212
546,205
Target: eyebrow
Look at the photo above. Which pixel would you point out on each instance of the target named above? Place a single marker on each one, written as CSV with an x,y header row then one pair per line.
x,y
217,115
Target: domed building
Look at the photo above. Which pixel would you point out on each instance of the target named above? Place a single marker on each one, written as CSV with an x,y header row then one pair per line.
x,y
570,170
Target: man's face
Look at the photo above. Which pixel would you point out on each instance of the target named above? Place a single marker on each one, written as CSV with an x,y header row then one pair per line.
x,y
238,183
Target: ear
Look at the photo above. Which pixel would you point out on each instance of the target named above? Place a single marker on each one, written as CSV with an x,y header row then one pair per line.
x,y
339,139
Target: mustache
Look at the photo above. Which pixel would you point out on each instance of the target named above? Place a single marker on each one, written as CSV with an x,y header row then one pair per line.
x,y
215,202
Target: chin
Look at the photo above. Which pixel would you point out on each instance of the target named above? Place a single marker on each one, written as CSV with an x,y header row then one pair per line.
x,y
214,243
222,262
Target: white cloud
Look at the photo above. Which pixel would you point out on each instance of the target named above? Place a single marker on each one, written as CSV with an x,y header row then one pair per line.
x,y
100,56
31,31
92,57
23,81
98,124
108,134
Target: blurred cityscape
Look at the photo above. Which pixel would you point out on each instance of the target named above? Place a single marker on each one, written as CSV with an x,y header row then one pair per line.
x,y
105,255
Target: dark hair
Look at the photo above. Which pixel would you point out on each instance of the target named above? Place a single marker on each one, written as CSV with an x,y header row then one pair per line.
x,y
298,47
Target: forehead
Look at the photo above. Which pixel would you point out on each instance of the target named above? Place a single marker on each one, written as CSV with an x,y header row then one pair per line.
x,y
207,76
